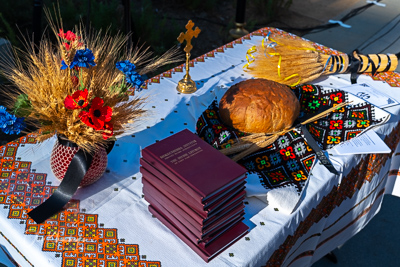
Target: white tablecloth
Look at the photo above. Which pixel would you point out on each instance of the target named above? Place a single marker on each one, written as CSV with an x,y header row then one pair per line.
x,y
109,223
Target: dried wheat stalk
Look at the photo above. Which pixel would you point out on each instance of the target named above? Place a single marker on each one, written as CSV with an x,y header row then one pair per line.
x,y
37,74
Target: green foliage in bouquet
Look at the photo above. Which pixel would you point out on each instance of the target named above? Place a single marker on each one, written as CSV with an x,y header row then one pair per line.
x,y
81,87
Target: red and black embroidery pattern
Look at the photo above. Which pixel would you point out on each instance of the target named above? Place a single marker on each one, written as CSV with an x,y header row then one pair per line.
x,y
366,170
72,235
287,162
338,126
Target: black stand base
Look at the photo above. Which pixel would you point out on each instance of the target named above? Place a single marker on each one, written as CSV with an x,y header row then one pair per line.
x,y
331,257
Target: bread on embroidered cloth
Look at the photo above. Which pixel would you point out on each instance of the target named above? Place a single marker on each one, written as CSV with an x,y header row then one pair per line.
x,y
259,106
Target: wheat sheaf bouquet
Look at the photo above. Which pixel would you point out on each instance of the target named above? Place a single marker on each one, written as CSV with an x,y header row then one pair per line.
x,y
80,87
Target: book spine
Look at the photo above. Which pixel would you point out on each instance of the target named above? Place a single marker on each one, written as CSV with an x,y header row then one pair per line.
x,y
203,208
226,239
199,230
234,211
205,234
213,236
195,229
195,236
179,225
193,217
157,177
205,256
239,192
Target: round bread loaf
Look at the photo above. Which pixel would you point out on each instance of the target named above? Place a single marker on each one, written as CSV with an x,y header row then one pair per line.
x,y
259,106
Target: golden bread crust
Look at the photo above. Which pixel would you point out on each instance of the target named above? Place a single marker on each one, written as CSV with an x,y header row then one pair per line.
x,y
259,106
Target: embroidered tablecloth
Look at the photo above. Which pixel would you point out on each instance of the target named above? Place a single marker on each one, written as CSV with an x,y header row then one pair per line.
x,y
108,224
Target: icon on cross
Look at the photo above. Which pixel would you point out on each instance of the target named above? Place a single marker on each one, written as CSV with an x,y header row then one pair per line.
x,y
188,36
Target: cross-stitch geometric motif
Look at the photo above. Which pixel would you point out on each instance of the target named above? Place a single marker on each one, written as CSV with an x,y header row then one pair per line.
x,y
288,161
72,234
364,172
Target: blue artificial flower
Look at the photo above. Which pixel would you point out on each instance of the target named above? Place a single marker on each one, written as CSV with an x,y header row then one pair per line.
x,y
14,128
125,66
5,117
63,65
83,58
134,79
10,124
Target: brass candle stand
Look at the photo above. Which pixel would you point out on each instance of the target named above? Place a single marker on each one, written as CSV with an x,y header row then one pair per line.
x,y
239,31
187,85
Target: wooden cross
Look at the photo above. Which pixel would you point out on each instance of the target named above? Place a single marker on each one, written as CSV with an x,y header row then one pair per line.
x,y
190,33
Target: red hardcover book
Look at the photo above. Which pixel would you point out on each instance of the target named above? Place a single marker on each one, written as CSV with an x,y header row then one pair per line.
x,y
219,205
190,216
173,201
173,188
206,252
199,234
222,199
195,236
147,171
193,164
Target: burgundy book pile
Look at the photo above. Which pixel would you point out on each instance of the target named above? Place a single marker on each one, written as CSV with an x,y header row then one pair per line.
x,y
195,191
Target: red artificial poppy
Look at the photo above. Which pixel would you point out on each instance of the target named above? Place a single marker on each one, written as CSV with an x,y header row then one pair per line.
x,y
97,115
85,118
69,36
67,46
77,100
109,130
61,34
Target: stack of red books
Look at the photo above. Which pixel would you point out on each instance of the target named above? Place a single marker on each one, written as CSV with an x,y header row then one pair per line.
x,y
196,191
